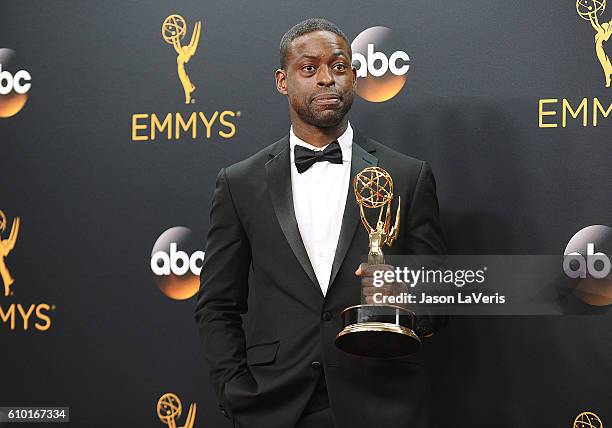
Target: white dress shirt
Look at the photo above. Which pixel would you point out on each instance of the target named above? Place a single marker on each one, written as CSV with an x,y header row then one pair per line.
x,y
319,198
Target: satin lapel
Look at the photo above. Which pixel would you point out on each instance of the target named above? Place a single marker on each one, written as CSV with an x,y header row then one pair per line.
x,y
360,159
278,176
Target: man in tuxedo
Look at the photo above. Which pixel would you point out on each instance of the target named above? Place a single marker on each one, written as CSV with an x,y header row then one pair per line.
x,y
287,217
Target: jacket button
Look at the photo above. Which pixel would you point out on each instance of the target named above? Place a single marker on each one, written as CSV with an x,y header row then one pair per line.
x,y
315,365
327,316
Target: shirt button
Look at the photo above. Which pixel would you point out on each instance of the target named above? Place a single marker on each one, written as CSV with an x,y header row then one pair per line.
x,y
327,316
315,365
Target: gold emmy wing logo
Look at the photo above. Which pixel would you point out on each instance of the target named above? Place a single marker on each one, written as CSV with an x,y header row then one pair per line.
x,y
169,409
587,420
6,246
174,29
589,11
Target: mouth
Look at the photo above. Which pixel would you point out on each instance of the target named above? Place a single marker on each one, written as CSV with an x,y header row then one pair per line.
x,y
329,99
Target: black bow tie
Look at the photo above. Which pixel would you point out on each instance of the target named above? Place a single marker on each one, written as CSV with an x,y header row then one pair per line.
x,y
305,158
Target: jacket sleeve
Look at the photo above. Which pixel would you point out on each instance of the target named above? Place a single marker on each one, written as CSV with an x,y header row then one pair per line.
x,y
425,237
223,294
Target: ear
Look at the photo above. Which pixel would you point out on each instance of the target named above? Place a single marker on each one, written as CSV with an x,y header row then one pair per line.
x,y
281,81
354,70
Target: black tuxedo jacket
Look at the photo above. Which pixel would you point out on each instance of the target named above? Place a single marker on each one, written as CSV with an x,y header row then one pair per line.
x,y
266,380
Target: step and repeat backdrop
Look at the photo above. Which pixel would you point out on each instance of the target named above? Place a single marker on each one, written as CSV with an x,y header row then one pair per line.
x,y
115,118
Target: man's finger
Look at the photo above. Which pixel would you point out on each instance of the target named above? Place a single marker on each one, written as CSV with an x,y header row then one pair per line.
x,y
369,291
367,282
361,269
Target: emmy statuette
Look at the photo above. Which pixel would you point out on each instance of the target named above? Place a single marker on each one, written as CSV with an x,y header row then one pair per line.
x,y
377,330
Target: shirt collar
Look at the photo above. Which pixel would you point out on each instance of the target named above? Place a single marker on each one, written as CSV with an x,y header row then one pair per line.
x,y
345,140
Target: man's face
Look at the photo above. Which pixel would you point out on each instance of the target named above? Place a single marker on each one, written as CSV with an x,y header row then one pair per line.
x,y
318,79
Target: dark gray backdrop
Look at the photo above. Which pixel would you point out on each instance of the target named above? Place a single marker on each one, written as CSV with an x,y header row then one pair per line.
x,y
92,203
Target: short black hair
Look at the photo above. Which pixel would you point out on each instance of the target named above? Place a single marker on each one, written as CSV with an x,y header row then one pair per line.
x,y
304,27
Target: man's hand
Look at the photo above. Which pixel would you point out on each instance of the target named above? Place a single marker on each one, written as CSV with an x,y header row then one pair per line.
x,y
388,288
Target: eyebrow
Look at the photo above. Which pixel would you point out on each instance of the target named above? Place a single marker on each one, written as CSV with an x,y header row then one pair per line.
x,y
336,53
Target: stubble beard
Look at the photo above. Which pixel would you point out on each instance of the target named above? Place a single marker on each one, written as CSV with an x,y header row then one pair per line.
x,y
324,118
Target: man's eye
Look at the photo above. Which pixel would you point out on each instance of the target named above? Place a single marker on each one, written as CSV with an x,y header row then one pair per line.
x,y
340,66
308,68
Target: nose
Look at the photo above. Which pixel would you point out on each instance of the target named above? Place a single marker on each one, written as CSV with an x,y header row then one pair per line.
x,y
325,77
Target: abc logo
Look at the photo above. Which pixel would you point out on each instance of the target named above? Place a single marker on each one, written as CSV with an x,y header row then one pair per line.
x,y
586,259
596,264
379,76
176,263
20,82
14,85
368,64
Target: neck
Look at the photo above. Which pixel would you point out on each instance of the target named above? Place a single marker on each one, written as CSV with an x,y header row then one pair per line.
x,y
317,136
